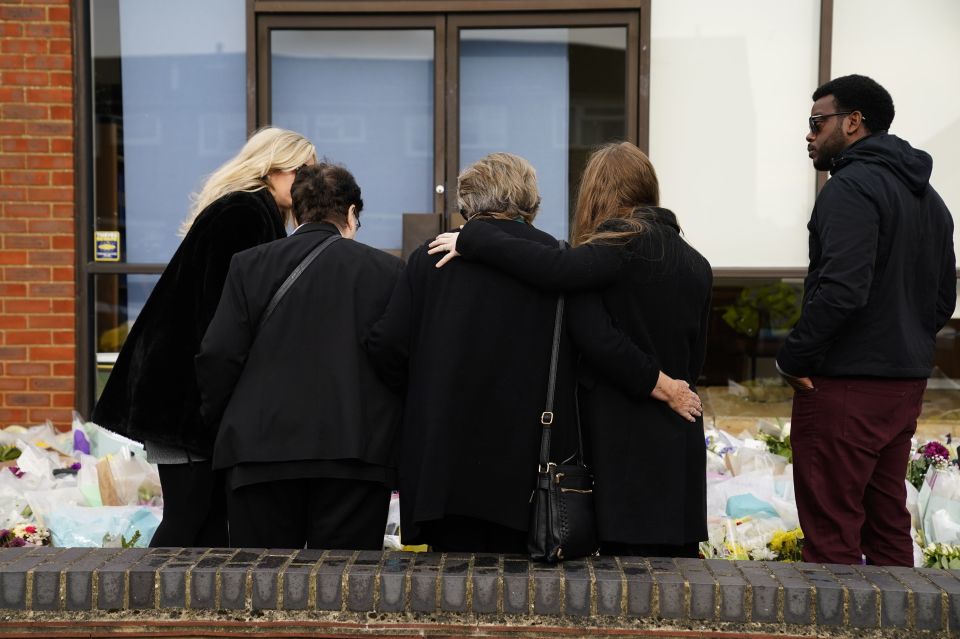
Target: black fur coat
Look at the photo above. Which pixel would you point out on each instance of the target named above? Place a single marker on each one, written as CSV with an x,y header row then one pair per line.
x,y
152,392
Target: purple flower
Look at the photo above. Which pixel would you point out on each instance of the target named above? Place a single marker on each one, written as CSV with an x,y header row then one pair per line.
x,y
75,466
80,442
16,471
935,449
17,542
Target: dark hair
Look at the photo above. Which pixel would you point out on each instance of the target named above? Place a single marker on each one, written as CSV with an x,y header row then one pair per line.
x,y
863,94
323,192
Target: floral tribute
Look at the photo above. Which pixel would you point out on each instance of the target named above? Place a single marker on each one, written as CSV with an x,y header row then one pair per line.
x,y
24,535
934,454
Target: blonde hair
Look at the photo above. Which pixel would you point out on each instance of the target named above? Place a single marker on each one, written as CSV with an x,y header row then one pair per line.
x,y
499,185
618,179
269,149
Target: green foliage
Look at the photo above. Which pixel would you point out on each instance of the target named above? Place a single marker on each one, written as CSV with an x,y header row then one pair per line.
x,y
9,453
124,543
778,445
775,306
946,556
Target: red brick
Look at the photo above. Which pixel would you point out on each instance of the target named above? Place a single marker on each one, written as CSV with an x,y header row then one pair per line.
x,y
51,384
13,257
63,242
49,257
62,178
61,112
27,338
28,369
61,145
49,128
51,290
63,306
25,112
63,210
50,96
13,290
63,274
14,384
13,161
64,369
26,242
11,61
60,46
49,62
63,338
25,78
27,306
58,14
12,128
27,210
10,416
24,45
22,13
63,400
10,29
61,79
12,194
13,321
28,399
25,145
48,30
15,353
51,226
13,226
49,162
50,194
11,94
34,178
51,321
14,274
51,353
61,417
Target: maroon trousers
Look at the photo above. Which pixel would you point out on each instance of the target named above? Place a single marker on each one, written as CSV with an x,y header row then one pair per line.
x,y
851,443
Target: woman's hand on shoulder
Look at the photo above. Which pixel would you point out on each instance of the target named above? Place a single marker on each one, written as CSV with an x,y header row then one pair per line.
x,y
444,243
677,394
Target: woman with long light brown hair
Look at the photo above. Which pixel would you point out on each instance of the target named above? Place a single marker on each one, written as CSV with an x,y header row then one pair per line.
x,y
631,268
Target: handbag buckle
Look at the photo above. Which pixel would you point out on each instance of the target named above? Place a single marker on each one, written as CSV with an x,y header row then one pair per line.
x,y
545,469
547,418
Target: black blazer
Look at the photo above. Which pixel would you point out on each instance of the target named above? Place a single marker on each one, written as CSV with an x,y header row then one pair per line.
x,y
643,308
475,346
303,388
152,391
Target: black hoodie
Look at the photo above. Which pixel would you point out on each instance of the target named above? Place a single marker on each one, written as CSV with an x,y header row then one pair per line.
x,y
882,277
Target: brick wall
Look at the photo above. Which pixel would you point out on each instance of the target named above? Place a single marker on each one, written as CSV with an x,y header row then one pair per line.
x,y
37,217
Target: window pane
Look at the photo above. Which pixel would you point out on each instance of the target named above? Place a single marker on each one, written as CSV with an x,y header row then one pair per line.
x,y
365,99
119,300
170,106
548,95
730,87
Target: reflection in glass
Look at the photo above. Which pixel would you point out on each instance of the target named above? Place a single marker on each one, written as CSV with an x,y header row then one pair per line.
x,y
365,99
169,107
119,300
549,95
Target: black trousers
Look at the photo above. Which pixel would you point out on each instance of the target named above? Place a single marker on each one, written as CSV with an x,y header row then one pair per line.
x,y
194,506
691,549
454,533
317,513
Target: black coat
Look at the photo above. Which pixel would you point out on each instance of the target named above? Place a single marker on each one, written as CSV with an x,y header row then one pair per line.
x,y
152,391
475,346
302,389
647,312
882,278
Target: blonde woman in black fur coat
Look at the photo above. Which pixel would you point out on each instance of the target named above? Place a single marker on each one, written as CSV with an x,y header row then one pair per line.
x,y
152,395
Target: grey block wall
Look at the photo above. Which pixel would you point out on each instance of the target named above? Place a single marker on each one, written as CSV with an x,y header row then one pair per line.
x,y
802,598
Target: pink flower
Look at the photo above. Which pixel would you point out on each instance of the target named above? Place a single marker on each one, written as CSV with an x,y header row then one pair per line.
x,y
31,529
935,449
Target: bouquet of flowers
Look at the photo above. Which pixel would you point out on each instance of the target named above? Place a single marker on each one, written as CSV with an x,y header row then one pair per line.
x,y
24,535
941,556
753,539
933,453
787,544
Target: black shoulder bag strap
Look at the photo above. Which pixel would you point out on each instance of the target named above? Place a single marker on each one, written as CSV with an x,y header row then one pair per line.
x,y
287,283
546,419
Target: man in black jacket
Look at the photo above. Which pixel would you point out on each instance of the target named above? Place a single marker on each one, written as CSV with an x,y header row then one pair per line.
x,y
306,428
881,284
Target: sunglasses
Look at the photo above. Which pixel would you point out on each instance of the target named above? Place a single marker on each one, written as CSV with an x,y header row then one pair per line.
x,y
816,120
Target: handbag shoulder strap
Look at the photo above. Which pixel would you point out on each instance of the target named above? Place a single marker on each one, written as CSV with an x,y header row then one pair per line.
x,y
546,419
287,283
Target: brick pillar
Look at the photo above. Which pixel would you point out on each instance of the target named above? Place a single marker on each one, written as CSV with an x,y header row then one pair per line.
x,y
37,216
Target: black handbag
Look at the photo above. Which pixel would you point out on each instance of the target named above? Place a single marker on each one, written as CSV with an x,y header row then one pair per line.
x,y
562,520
